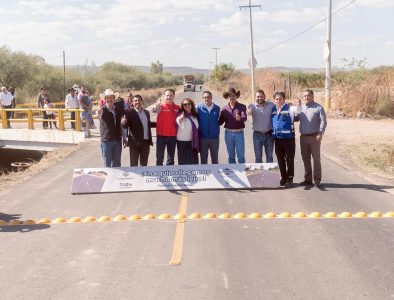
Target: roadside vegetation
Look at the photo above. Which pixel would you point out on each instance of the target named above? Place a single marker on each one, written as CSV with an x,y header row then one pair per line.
x,y
27,73
355,89
376,158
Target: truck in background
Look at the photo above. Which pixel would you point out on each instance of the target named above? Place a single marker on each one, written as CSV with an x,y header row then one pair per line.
x,y
189,83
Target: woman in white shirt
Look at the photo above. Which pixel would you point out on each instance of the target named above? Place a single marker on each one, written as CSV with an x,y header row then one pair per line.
x,y
188,143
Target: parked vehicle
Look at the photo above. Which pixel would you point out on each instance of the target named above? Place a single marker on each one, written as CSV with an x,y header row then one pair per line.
x,y
189,83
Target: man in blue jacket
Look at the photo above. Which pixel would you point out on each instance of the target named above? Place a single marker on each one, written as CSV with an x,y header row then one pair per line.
x,y
208,118
283,117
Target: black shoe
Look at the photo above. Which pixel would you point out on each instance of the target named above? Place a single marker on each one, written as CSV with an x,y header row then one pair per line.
x,y
290,180
306,183
282,182
317,182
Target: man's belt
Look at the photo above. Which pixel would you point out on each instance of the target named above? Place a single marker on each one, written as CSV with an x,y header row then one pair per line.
x,y
310,134
235,130
269,132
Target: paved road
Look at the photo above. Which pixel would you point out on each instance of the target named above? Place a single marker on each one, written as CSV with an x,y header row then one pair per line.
x,y
221,259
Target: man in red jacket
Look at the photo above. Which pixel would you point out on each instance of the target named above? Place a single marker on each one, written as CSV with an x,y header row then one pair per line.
x,y
166,127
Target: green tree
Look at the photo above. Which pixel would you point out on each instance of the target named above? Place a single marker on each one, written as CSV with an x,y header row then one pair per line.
x,y
222,72
156,67
17,68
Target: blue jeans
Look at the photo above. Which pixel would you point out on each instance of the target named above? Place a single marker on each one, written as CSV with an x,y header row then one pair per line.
x,y
260,141
235,143
111,152
161,143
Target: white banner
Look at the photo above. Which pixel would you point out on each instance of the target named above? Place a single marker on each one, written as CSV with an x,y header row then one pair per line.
x,y
186,177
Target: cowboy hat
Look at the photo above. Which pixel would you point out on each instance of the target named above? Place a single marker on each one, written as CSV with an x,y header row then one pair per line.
x,y
109,92
231,91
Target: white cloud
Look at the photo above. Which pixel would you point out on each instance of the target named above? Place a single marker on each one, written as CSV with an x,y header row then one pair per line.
x,y
232,26
180,32
378,4
305,15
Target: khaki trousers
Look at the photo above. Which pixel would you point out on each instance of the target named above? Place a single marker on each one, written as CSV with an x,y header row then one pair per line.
x,y
311,148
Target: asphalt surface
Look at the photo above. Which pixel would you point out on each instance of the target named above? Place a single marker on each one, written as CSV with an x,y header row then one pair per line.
x,y
221,259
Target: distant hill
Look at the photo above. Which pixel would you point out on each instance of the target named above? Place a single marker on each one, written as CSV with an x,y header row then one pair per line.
x,y
177,70
287,69
190,70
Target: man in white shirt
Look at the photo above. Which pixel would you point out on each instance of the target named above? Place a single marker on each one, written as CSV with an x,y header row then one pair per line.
x,y
6,102
72,102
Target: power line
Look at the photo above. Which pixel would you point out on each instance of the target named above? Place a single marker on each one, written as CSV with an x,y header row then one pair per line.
x,y
302,32
216,51
252,59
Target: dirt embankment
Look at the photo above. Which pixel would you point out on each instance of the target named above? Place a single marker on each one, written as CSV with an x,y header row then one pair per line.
x,y
362,145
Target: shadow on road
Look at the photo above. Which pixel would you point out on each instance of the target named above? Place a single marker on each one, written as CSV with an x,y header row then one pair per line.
x,y
7,217
18,228
23,228
372,187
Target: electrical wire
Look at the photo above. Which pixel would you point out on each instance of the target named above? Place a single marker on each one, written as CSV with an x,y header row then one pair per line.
x,y
306,30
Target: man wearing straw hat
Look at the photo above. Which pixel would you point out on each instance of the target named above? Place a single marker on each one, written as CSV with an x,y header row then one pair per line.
x,y
110,131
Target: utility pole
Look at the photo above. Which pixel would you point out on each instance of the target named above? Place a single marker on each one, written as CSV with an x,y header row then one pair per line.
x,y
216,55
64,74
209,75
327,57
253,61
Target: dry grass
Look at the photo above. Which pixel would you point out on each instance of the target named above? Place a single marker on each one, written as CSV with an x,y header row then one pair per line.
x,y
366,91
375,158
267,80
50,159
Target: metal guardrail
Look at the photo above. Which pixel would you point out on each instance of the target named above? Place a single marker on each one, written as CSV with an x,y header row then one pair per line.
x,y
59,104
62,117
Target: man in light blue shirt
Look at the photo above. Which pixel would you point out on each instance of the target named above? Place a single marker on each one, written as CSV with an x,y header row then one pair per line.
x,y
313,123
261,112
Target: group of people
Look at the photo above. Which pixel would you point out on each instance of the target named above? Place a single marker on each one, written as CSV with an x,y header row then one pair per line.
x,y
194,131
78,98
44,101
8,100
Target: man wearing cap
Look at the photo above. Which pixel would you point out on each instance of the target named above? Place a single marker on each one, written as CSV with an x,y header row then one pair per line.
x,y
233,116
166,127
208,118
110,131
6,102
313,123
261,112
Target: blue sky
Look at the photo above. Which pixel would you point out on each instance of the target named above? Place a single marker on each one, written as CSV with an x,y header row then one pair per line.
x,y
182,32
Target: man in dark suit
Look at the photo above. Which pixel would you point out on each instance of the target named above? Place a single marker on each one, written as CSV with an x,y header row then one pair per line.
x,y
138,123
